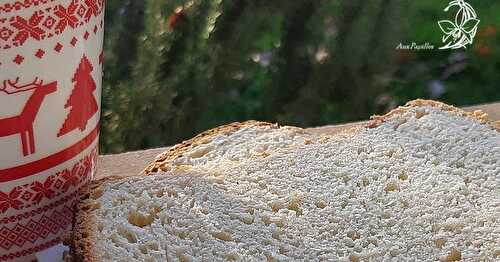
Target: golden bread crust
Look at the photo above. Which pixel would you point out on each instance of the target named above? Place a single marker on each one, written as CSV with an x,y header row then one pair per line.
x,y
478,115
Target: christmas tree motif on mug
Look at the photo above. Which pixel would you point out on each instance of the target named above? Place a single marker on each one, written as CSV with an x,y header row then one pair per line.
x,y
81,101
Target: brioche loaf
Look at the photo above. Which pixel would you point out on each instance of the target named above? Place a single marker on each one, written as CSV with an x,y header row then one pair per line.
x,y
421,183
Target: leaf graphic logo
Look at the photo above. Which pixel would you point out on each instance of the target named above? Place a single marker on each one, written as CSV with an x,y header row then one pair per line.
x,y
461,32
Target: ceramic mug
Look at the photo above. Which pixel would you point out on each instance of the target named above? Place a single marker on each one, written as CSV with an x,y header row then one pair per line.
x,y
50,87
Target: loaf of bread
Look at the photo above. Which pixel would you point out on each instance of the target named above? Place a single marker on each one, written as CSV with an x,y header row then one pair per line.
x,y
421,183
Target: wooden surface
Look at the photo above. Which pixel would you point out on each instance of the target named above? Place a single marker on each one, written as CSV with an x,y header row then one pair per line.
x,y
134,162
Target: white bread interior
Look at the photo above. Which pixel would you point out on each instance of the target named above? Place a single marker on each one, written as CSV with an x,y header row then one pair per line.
x,y
422,184
249,140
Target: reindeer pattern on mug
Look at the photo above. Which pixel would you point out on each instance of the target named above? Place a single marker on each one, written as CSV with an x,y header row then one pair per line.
x,y
50,77
81,101
22,124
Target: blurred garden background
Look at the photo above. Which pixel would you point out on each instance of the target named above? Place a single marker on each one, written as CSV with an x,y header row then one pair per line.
x,y
175,68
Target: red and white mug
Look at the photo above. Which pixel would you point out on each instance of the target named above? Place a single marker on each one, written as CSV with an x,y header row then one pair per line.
x,y
50,87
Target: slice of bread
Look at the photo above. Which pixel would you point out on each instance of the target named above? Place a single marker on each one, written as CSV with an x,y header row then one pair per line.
x,y
421,183
228,145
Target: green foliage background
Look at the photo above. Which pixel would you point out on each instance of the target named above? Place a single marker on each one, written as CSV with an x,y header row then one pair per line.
x,y
298,62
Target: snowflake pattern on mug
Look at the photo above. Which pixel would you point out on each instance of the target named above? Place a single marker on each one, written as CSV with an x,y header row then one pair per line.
x,y
47,22
51,63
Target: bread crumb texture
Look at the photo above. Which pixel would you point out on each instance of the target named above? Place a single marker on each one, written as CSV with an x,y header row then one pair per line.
x,y
423,185
228,145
